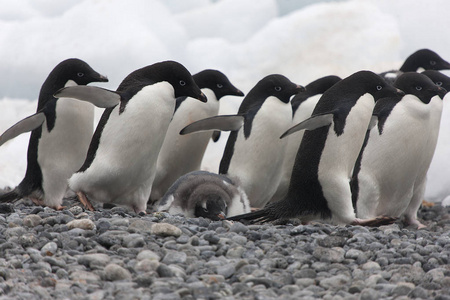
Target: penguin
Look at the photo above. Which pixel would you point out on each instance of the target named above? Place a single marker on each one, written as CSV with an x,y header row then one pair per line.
x,y
319,186
254,153
120,164
179,154
205,194
302,107
61,132
389,175
423,58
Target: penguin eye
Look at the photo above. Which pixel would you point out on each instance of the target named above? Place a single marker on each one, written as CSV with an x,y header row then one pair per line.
x,y
439,83
278,88
432,62
182,82
80,74
219,85
418,87
379,87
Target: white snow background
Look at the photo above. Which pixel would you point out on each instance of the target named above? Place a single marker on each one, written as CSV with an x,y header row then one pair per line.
x,y
245,39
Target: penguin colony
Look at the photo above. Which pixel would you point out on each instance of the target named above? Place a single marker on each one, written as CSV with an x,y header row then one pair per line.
x,y
354,150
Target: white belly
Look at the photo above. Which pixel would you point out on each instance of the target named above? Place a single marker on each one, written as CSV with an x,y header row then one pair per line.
x,y
124,166
257,161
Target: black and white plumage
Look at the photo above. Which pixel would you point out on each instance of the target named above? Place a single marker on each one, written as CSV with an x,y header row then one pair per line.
x,y
204,194
254,153
120,164
302,107
390,174
61,131
319,186
181,154
421,59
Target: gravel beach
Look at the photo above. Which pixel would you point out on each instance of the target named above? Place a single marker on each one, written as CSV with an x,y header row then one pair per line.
x,y
115,254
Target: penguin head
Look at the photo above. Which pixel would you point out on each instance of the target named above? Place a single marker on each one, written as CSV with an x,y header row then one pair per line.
x,y
278,86
369,82
217,82
438,78
211,206
426,59
75,70
419,85
167,71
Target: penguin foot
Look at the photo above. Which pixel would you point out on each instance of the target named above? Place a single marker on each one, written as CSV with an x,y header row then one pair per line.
x,y
83,199
37,201
410,221
427,204
375,222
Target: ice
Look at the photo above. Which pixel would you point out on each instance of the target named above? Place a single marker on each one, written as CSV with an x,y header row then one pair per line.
x,y
245,39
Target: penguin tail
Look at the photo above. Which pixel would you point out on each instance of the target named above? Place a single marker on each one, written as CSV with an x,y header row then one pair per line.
x,y
10,196
259,216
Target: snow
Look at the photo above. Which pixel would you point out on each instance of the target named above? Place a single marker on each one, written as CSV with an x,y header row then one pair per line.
x,y
245,39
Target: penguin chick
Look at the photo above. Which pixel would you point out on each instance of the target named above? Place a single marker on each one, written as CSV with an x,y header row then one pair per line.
x,y
61,131
204,194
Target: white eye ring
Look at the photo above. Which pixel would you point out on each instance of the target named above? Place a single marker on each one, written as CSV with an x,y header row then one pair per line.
x,y
219,85
182,83
80,74
379,87
278,88
419,88
439,83
432,62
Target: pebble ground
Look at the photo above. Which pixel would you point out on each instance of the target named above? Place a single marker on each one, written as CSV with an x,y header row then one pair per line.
x,y
115,254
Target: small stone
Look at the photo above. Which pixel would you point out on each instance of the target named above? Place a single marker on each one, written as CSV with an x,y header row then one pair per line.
x,y
85,224
145,279
49,249
235,252
148,254
226,270
28,240
334,282
31,221
84,276
142,226
369,294
76,210
165,229
174,257
210,279
134,240
238,227
114,272
333,255
419,292
94,260
6,208
147,265
164,271
371,265
403,288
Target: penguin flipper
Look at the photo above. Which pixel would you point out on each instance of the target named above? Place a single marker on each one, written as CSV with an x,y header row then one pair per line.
x,y
259,216
28,124
311,123
100,97
222,123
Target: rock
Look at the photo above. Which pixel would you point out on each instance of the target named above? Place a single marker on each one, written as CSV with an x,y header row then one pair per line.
x,y
148,254
334,282
85,224
332,255
165,229
84,276
141,226
146,265
76,210
31,220
371,265
134,240
114,272
226,270
49,249
403,288
94,260
174,257
238,227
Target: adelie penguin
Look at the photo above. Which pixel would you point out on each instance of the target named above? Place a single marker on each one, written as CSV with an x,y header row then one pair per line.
x,y
181,154
121,161
205,194
319,186
61,132
302,107
421,59
254,153
390,174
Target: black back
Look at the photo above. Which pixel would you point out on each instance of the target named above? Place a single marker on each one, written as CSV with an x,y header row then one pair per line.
x,y
272,85
316,87
71,69
426,59
173,72
215,81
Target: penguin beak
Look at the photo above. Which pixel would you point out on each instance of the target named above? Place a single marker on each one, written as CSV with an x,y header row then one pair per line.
x,y
442,92
300,88
202,97
238,92
399,92
222,216
102,78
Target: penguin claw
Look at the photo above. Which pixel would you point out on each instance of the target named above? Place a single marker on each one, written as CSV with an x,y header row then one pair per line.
x,y
83,199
